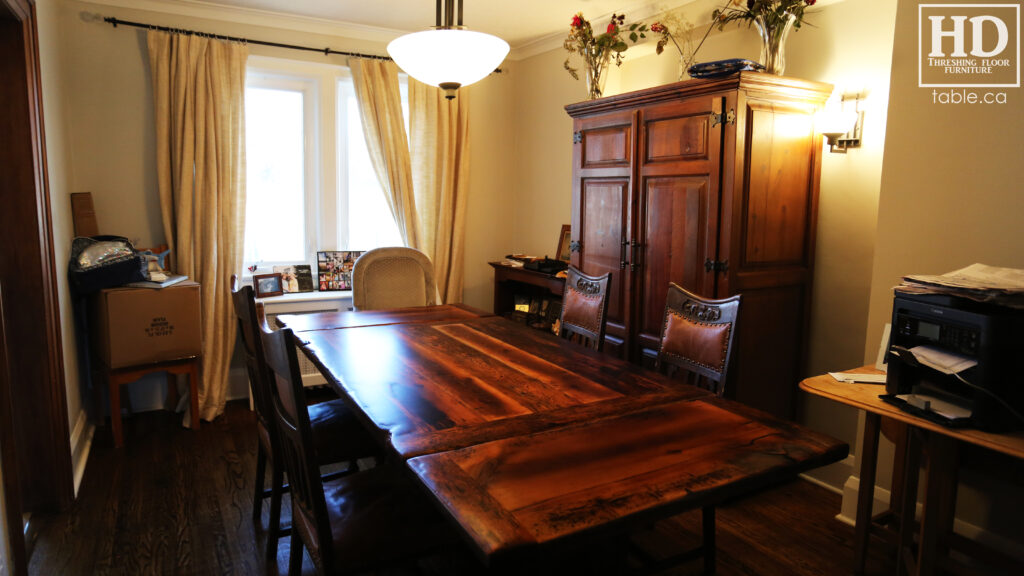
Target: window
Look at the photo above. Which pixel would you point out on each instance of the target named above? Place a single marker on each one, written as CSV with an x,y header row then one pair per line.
x,y
309,183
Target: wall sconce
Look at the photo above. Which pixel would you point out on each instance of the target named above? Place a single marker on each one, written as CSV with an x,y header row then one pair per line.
x,y
842,128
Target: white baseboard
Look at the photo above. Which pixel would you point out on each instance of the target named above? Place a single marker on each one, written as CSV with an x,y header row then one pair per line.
x,y
81,444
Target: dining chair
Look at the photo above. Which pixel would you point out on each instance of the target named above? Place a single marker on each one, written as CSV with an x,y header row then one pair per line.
x,y
337,435
584,307
393,277
696,347
370,520
696,338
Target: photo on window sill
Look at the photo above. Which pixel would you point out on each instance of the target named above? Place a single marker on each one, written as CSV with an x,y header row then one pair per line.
x,y
334,269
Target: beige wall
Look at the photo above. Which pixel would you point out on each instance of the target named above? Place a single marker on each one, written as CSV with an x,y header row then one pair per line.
x,y
951,196
56,111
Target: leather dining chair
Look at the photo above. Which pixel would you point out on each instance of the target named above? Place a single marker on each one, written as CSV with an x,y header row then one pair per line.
x,y
393,277
336,434
696,347
696,338
584,307
370,520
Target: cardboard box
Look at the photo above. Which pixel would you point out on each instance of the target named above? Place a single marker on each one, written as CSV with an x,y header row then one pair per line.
x,y
133,326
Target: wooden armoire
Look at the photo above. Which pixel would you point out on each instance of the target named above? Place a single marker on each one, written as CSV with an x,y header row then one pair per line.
x,y
711,184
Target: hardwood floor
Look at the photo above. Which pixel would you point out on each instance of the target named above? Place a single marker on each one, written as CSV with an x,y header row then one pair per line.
x,y
174,501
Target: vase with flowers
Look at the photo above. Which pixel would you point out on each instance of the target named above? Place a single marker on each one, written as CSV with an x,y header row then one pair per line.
x,y
598,51
773,20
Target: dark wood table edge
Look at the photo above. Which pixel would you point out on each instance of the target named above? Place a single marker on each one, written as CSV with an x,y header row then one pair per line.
x,y
479,312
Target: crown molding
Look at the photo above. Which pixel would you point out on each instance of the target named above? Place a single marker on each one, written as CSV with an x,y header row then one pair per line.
x,y
251,16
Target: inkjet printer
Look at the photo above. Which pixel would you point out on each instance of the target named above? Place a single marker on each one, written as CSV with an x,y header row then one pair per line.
x,y
956,361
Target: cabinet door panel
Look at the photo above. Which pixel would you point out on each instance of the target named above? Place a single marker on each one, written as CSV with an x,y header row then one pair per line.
x,y
602,230
607,146
674,241
777,196
678,138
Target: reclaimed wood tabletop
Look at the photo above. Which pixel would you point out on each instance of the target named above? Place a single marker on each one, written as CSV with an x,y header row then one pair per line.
x,y
434,387
529,440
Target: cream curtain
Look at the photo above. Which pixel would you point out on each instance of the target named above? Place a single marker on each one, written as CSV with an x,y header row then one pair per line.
x,y
439,131
380,108
199,94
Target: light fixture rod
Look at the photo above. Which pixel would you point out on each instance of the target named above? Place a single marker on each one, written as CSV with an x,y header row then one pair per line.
x,y
449,14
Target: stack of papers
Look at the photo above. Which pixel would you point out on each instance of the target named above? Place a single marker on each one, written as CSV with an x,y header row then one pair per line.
x,y
978,282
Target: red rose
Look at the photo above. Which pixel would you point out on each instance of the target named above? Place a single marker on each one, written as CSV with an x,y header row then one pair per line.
x,y
577,21
657,27
811,2
611,28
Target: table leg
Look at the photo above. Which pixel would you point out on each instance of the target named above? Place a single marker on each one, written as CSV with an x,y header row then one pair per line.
x,y
908,500
172,391
866,491
939,500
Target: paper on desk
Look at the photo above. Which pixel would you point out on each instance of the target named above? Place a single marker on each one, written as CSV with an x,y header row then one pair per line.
x,y
855,377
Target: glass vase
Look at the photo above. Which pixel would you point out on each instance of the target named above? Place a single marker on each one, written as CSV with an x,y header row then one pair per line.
x,y
774,31
597,72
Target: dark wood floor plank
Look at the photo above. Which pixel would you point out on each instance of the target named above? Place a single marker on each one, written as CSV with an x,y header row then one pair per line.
x,y
177,501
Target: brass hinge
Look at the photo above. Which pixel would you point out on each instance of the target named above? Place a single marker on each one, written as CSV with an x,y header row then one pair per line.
x,y
577,137
716,265
729,118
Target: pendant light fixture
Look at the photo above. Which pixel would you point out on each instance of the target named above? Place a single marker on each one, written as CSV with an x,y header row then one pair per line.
x,y
448,55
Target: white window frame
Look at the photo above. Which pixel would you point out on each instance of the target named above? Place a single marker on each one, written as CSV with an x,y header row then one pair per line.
x,y
325,117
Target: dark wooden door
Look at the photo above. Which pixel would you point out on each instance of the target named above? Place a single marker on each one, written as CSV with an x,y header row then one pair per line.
x,y
602,158
677,216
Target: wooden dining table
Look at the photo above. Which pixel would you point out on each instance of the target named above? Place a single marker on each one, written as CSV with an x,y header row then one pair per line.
x,y
526,440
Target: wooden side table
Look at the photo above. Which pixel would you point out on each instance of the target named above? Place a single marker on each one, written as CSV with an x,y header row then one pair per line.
x,y
118,376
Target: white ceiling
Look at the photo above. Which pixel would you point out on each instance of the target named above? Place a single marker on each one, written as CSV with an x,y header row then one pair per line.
x,y
519,22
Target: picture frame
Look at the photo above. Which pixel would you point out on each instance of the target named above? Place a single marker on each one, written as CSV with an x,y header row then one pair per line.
x,y
267,285
294,279
334,269
564,251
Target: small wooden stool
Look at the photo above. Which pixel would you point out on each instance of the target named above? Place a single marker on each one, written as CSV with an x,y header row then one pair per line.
x,y
116,377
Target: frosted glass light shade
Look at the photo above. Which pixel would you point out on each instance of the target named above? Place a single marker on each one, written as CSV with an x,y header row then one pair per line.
x,y
446,57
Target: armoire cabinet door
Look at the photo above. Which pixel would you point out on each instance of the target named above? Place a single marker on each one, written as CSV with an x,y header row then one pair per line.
x,y
602,157
677,210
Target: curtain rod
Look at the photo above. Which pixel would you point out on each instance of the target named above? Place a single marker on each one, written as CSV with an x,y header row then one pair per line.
x,y
325,51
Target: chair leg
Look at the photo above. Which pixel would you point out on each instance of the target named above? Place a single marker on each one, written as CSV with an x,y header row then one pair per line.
x,y
295,555
708,528
274,531
261,476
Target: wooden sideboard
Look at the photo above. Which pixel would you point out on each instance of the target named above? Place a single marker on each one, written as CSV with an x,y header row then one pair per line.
x,y
510,282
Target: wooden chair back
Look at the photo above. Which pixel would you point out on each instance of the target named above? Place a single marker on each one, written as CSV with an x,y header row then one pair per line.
x,y
393,277
697,337
250,318
584,307
309,508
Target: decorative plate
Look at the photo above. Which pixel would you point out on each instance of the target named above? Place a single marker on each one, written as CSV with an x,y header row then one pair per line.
x,y
723,68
